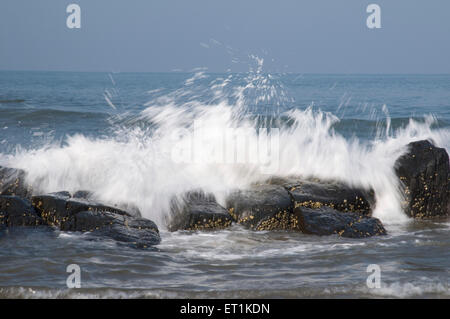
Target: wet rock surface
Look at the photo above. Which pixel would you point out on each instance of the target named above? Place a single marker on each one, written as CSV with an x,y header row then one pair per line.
x,y
140,232
263,207
312,206
86,197
12,182
425,174
69,214
15,211
198,211
336,195
309,210
328,221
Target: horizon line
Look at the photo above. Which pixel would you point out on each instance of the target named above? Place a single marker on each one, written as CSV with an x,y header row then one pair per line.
x,y
224,72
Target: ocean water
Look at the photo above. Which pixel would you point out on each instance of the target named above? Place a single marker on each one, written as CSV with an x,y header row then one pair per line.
x,y
127,137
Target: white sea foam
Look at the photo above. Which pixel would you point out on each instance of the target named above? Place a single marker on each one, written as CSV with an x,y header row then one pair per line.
x,y
136,164
426,286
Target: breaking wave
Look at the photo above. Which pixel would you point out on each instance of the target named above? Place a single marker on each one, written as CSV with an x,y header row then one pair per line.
x,y
159,153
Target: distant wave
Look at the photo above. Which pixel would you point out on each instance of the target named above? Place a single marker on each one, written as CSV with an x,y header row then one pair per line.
x,y
30,114
11,101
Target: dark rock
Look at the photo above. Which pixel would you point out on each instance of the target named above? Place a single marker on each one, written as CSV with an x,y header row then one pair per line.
x,y
317,194
425,173
448,194
15,211
262,207
198,211
328,221
137,231
82,194
69,214
12,183
271,207
132,209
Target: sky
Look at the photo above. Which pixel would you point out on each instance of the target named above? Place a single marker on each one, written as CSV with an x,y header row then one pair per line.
x,y
299,36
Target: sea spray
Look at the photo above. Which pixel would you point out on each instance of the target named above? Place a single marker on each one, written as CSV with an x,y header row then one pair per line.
x,y
136,163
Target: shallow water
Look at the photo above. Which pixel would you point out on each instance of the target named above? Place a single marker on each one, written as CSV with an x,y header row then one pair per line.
x,y
235,263
38,111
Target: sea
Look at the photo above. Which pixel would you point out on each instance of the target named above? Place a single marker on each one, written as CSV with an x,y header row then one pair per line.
x,y
132,137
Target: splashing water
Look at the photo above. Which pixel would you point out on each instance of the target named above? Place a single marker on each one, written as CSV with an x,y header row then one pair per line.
x,y
137,164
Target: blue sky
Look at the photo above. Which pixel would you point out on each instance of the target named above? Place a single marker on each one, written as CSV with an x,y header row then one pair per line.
x,y
309,36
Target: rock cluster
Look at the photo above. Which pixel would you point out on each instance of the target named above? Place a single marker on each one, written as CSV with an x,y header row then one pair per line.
x,y
18,207
311,207
315,207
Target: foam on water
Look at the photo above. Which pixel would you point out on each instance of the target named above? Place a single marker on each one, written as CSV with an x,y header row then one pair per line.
x,y
409,290
141,164
429,289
